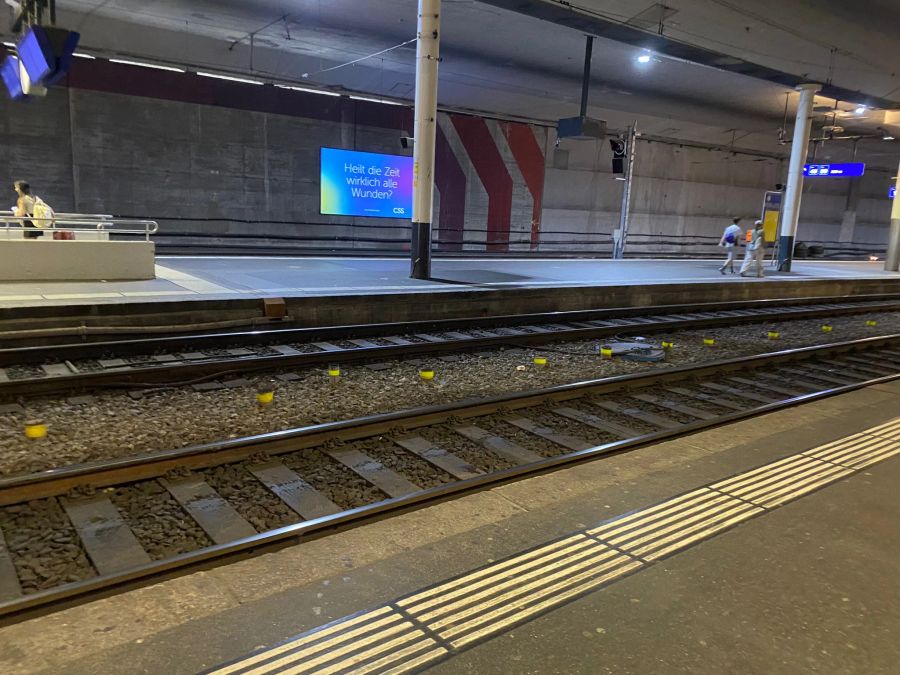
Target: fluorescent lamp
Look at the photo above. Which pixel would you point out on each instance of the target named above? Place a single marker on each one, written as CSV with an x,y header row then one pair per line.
x,y
82,55
147,65
9,44
307,90
860,110
887,137
230,78
643,58
376,100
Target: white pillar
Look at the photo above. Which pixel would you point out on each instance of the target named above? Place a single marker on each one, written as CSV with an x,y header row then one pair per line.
x,y
427,59
620,236
799,147
892,260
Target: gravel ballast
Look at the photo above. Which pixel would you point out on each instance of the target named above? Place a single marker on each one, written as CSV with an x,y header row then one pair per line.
x,y
115,425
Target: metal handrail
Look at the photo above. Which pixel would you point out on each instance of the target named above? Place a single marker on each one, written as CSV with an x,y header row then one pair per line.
x,y
76,222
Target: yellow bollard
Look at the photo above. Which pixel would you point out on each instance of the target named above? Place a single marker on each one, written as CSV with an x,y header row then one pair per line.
x,y
265,395
668,345
426,374
334,371
826,328
709,342
773,335
35,429
871,323
540,361
606,352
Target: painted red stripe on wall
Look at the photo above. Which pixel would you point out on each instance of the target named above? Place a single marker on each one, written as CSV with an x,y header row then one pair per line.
x,y
530,159
488,163
450,181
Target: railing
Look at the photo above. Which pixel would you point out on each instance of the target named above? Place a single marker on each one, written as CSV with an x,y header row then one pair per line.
x,y
78,222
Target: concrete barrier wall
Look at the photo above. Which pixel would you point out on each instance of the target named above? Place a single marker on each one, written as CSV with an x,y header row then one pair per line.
x,y
232,167
47,260
687,195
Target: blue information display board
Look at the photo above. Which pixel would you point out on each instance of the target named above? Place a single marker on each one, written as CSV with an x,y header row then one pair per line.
x,y
365,184
849,170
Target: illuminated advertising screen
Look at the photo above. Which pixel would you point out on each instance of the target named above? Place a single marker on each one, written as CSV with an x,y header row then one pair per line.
x,y
365,184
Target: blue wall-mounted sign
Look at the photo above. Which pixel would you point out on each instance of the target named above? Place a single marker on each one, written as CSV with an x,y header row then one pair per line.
x,y
849,170
892,192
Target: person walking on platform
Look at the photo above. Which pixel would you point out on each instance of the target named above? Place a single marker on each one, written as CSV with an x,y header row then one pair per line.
x,y
729,240
756,251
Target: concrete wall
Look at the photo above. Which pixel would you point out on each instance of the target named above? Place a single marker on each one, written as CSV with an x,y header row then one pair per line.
x,y
231,167
684,196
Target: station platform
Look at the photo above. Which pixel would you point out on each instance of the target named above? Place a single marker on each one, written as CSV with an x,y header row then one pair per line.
x,y
797,578
328,291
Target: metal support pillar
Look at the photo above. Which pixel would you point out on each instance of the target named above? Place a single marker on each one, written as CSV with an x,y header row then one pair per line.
x,y
586,76
427,59
799,147
620,236
892,260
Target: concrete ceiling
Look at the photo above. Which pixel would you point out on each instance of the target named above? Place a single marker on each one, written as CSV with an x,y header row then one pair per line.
x,y
509,63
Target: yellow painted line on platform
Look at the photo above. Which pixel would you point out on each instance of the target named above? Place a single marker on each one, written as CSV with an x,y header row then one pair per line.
x,y
429,625
370,620
890,430
469,589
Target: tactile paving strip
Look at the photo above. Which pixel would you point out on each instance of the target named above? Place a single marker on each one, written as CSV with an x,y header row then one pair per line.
x,y
432,624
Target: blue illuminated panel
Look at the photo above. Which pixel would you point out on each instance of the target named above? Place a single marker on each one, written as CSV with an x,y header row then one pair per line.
x,y
849,170
10,73
36,54
892,192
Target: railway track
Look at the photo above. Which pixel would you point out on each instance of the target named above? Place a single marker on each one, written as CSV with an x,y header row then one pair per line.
x,y
83,529
60,369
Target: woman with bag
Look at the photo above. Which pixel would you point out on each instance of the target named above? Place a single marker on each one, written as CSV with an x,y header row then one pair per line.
x,y
25,208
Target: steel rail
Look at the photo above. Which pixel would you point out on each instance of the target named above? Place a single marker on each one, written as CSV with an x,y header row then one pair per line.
x,y
104,473
353,429
24,354
175,374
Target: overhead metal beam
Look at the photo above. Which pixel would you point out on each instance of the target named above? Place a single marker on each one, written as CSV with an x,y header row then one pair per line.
x,y
584,20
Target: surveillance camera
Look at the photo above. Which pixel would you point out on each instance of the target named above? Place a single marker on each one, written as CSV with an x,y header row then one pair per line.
x,y
406,142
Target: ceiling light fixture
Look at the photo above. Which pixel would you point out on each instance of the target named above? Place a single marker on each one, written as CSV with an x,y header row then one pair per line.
x,y
230,78
860,110
643,58
376,100
141,64
308,90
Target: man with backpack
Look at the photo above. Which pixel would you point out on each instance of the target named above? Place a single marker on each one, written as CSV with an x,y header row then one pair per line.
x,y
729,240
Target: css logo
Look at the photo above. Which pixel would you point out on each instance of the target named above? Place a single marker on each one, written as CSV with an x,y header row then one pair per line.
x,y
399,211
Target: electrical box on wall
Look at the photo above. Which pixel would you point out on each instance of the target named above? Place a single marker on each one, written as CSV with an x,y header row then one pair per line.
x,y
581,128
